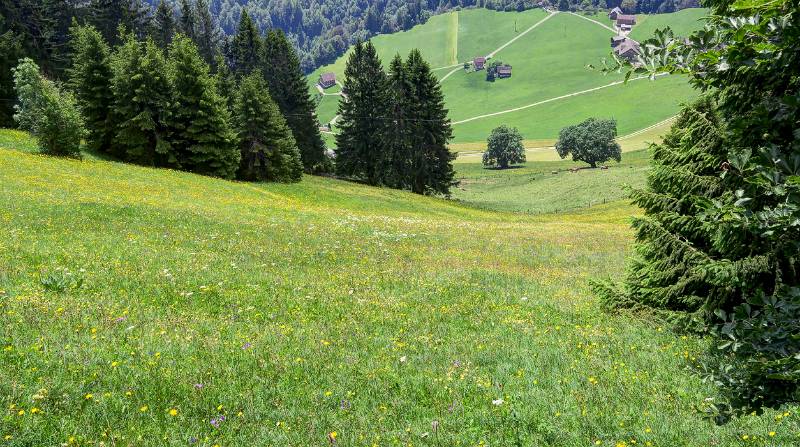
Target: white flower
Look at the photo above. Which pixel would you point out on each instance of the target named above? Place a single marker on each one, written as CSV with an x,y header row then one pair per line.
x,y
497,402
403,359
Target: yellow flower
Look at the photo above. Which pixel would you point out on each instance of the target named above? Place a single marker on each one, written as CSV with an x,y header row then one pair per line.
x,y
35,410
745,437
21,412
771,434
89,396
647,430
333,435
114,364
143,408
8,437
598,442
328,393
173,412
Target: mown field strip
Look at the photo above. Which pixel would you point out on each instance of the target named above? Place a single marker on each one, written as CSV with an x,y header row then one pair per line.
x,y
545,101
493,53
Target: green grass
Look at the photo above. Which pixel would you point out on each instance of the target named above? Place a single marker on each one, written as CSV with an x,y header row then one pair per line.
x,y
327,108
549,61
299,310
547,186
682,23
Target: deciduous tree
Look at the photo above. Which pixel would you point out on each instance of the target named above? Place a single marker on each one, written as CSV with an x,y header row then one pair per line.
x,y
504,148
592,141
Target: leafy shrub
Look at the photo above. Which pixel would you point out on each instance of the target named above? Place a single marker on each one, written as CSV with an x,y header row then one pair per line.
x,y
48,113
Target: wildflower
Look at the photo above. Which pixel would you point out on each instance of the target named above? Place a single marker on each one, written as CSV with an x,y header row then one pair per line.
x,y
328,393
35,410
215,422
498,402
21,412
89,396
771,434
597,442
143,408
332,437
173,412
745,437
114,364
647,430
246,345
8,437
403,359
198,386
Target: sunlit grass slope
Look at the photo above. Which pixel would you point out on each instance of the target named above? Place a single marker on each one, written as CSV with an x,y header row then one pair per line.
x,y
157,308
549,62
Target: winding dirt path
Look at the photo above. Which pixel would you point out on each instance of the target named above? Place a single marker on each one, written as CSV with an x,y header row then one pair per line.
x,y
595,21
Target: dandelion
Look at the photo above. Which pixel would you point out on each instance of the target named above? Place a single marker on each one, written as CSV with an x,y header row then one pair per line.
x,y
89,396
35,410
21,412
143,408
114,364
771,434
173,412
328,393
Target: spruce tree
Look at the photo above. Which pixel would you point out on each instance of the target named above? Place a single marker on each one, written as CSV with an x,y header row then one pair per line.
x,y
163,24
188,21
431,160
400,138
225,80
363,149
289,87
269,151
207,34
142,95
247,51
108,15
10,53
200,122
90,79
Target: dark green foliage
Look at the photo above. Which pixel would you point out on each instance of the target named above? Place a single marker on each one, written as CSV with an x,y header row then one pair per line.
x,y
188,21
163,27
592,141
207,35
109,15
51,115
142,104
201,136
431,168
399,137
720,239
289,88
90,79
247,48
504,147
269,151
363,152
10,53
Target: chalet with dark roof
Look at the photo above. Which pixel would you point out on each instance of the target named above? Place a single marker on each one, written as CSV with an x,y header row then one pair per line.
x,y
616,40
628,49
479,62
626,19
504,71
327,80
614,13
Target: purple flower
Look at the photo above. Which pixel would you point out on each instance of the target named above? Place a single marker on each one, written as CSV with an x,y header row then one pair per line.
x,y
217,421
246,345
198,386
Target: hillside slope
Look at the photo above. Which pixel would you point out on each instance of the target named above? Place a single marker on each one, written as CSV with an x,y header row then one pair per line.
x,y
154,307
551,86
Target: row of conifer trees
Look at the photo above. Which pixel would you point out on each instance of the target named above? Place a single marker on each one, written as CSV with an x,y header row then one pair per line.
x,y
393,128
164,107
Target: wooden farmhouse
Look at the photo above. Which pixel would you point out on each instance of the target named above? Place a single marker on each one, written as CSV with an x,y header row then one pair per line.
x,y
625,22
327,80
479,62
504,71
614,13
627,49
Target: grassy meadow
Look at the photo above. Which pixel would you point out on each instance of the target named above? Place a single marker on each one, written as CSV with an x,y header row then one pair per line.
x,y
151,307
549,61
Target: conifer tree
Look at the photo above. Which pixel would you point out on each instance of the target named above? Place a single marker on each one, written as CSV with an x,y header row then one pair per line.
x,y
400,134
226,81
363,152
247,50
431,160
90,79
207,34
10,53
142,95
188,21
200,122
289,88
268,148
108,15
163,24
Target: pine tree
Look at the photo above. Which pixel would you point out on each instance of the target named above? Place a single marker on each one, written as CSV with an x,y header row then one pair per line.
x,y
108,15
431,160
289,87
188,22
400,138
225,80
163,24
247,51
142,95
10,53
90,79
268,148
200,122
207,34
363,152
